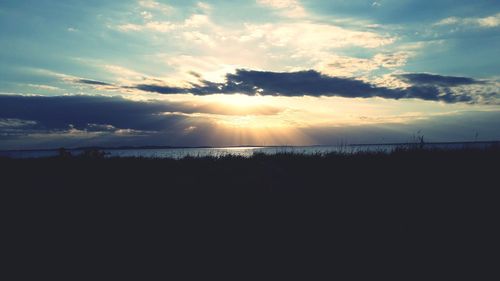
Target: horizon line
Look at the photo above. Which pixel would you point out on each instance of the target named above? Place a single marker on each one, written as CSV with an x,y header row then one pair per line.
x,y
236,146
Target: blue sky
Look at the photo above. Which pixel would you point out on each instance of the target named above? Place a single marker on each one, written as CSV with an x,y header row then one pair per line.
x,y
248,72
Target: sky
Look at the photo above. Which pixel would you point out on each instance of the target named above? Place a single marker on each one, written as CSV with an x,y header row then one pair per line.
x,y
247,72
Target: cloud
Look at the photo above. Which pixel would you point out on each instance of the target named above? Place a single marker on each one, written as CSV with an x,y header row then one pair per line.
x,y
193,22
486,22
43,87
95,84
437,80
425,86
156,6
285,44
9,123
160,89
92,82
157,26
299,83
312,83
460,126
492,21
336,65
62,112
311,36
287,8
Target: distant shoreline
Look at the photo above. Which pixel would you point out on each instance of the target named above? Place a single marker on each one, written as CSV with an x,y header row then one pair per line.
x,y
151,147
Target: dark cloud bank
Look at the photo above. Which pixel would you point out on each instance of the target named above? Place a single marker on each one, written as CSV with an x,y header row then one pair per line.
x,y
312,83
72,121
47,122
58,112
437,80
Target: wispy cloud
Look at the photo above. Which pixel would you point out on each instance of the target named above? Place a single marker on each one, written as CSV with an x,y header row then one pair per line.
x,y
44,87
314,36
287,8
336,65
302,43
156,6
92,82
485,22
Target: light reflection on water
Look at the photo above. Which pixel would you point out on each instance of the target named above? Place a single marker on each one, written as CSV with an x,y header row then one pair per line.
x,y
178,153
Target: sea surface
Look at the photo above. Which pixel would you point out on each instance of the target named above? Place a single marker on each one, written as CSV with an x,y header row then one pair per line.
x,y
246,151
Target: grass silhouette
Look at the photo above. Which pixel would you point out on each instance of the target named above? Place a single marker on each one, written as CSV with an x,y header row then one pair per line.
x,y
406,208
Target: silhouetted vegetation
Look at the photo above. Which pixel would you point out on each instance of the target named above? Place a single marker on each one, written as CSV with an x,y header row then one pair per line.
x,y
412,203
63,153
93,153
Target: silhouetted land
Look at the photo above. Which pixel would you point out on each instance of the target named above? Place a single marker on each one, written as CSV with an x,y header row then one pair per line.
x,y
408,209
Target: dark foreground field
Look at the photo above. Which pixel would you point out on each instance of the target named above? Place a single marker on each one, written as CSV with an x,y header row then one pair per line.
x,y
372,214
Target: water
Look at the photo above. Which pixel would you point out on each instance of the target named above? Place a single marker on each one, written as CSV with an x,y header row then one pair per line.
x,y
178,153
